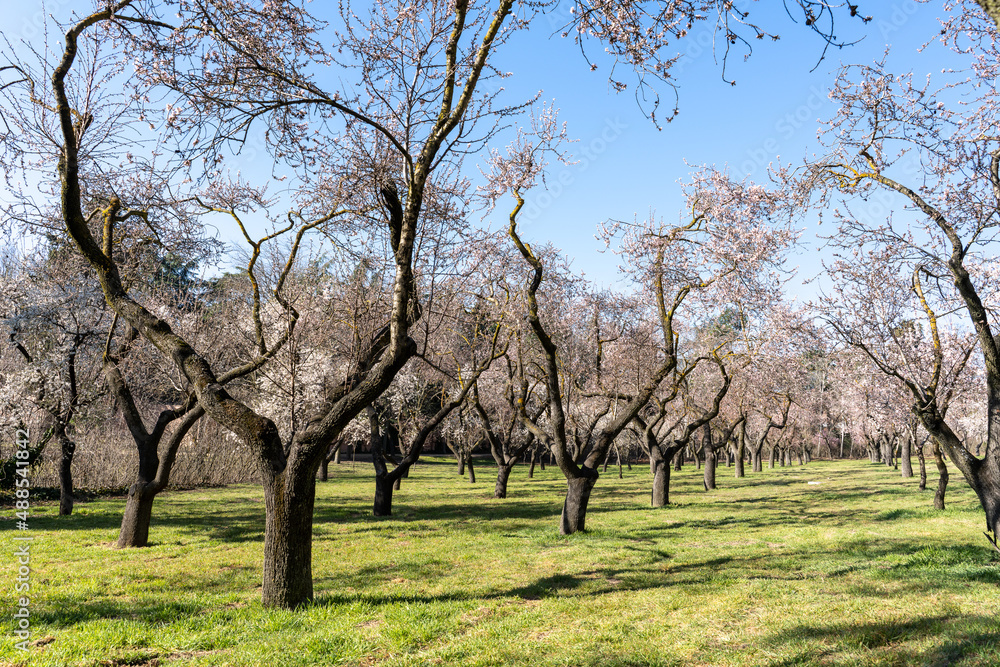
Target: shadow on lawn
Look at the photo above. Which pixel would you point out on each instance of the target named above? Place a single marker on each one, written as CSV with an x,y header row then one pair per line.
x,y
975,637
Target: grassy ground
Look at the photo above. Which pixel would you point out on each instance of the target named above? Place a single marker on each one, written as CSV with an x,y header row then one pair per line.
x,y
828,564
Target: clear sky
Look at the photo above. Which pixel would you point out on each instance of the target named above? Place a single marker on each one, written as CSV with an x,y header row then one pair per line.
x,y
770,112
625,165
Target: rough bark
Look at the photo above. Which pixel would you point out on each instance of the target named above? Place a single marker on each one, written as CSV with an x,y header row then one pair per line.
x,y
503,475
153,476
287,580
905,457
923,467
741,450
383,495
138,515
710,459
942,486
67,449
574,512
661,479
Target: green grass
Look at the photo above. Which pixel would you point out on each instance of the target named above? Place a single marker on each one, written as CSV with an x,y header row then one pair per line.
x,y
768,570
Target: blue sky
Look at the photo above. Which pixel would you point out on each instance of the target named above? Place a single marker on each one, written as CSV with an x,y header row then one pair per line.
x,y
770,112
626,166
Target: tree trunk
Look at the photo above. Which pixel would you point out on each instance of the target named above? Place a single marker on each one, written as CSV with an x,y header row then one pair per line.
x,y
773,456
678,460
384,486
68,448
942,477
661,478
756,459
472,471
138,515
287,582
336,456
153,476
531,467
710,463
923,466
461,466
905,458
988,490
741,451
574,512
711,458
324,470
503,475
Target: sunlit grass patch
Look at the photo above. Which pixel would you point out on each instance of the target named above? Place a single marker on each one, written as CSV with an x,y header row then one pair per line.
x,y
856,569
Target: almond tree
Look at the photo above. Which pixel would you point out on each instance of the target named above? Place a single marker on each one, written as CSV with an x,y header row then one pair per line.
x,y
720,254
55,321
936,263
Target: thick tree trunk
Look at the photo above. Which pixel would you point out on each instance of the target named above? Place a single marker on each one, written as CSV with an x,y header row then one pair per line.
x,y
756,459
905,456
773,456
336,454
68,448
472,471
709,473
461,466
679,460
384,486
324,470
942,478
503,476
134,530
531,467
740,453
988,490
661,478
287,582
574,513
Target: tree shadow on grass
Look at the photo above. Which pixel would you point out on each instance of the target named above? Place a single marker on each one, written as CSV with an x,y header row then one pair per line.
x,y
973,637
62,611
